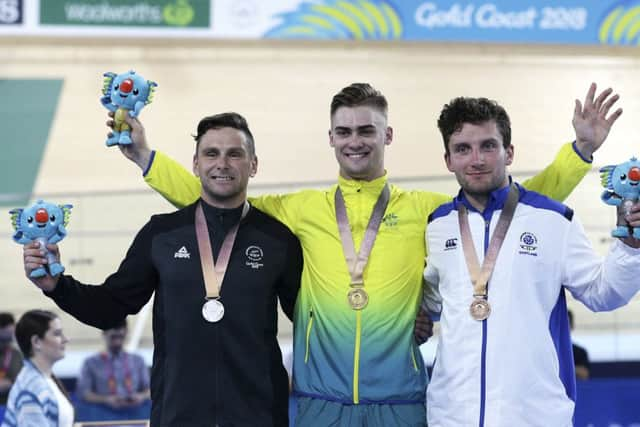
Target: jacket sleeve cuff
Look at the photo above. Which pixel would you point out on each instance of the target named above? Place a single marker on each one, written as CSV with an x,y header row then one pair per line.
x,y
584,159
146,170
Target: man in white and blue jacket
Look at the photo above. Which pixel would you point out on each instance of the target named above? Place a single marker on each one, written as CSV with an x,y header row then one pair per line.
x,y
504,356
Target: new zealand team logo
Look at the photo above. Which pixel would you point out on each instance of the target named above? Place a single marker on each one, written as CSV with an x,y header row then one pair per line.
x,y
254,256
528,244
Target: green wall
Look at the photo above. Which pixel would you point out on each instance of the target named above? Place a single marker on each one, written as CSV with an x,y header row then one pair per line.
x,y
27,108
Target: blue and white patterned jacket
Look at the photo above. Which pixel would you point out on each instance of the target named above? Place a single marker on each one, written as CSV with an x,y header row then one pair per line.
x,y
31,401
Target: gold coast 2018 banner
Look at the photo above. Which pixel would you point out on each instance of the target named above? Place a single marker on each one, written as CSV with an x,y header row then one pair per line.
x,y
611,22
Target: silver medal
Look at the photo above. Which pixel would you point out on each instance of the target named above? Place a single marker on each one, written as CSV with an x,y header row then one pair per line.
x,y
213,310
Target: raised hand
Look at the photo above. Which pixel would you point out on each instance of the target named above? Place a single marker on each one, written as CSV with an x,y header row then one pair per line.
x,y
138,151
590,120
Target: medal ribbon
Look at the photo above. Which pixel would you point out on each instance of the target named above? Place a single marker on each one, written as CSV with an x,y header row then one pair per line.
x,y
111,376
6,362
213,272
357,263
480,276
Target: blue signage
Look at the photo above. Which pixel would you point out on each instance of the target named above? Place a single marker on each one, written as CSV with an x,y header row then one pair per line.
x,y
10,12
502,21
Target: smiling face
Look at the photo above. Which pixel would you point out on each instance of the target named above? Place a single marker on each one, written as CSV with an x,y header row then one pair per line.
x,y
479,160
358,136
41,220
129,88
626,179
224,163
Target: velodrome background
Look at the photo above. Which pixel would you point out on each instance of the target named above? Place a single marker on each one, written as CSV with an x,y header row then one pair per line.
x,y
53,134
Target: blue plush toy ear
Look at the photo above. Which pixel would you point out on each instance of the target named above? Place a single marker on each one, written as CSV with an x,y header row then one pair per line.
x,y
606,172
15,214
152,92
108,82
66,209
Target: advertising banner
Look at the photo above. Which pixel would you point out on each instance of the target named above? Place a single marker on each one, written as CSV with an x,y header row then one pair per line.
x,y
502,21
574,22
126,13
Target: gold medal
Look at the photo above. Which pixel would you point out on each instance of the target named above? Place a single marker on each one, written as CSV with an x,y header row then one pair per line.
x,y
358,298
480,308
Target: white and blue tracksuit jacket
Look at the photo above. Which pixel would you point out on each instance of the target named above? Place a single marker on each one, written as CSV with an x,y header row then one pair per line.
x,y
31,401
516,367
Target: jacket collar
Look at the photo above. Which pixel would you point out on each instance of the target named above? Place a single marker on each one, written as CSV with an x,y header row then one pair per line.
x,y
352,186
496,200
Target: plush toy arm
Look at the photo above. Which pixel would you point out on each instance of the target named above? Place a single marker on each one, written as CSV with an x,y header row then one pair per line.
x,y
611,198
136,109
60,234
21,238
106,102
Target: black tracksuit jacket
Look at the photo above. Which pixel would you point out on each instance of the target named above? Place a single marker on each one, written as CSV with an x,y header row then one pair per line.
x,y
223,374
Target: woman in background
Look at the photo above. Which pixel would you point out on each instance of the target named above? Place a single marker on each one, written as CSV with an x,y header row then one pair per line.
x,y
37,398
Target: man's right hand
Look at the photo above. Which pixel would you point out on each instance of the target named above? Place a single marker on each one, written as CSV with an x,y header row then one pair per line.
x,y
35,257
138,151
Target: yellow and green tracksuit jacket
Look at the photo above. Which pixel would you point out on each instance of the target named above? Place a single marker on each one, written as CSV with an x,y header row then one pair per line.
x,y
367,356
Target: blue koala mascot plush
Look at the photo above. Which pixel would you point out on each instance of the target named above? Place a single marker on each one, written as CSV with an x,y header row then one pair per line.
x,y
45,223
622,188
125,93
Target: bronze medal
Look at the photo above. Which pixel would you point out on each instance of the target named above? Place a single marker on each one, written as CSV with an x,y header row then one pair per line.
x,y
358,298
480,309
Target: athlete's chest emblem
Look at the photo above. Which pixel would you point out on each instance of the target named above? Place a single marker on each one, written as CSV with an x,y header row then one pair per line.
x,y
451,244
254,256
390,220
182,253
528,244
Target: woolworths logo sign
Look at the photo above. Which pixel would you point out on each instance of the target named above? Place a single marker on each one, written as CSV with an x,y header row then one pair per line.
x,y
147,13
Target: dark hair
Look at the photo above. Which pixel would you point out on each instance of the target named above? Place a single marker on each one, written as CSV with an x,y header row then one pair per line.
x,y
6,319
357,94
463,110
33,322
226,120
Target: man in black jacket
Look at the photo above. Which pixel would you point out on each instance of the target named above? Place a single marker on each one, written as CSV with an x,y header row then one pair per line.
x,y
216,359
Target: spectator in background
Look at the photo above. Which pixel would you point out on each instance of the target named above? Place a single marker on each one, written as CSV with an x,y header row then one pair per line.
x,y
37,398
115,377
10,357
580,356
